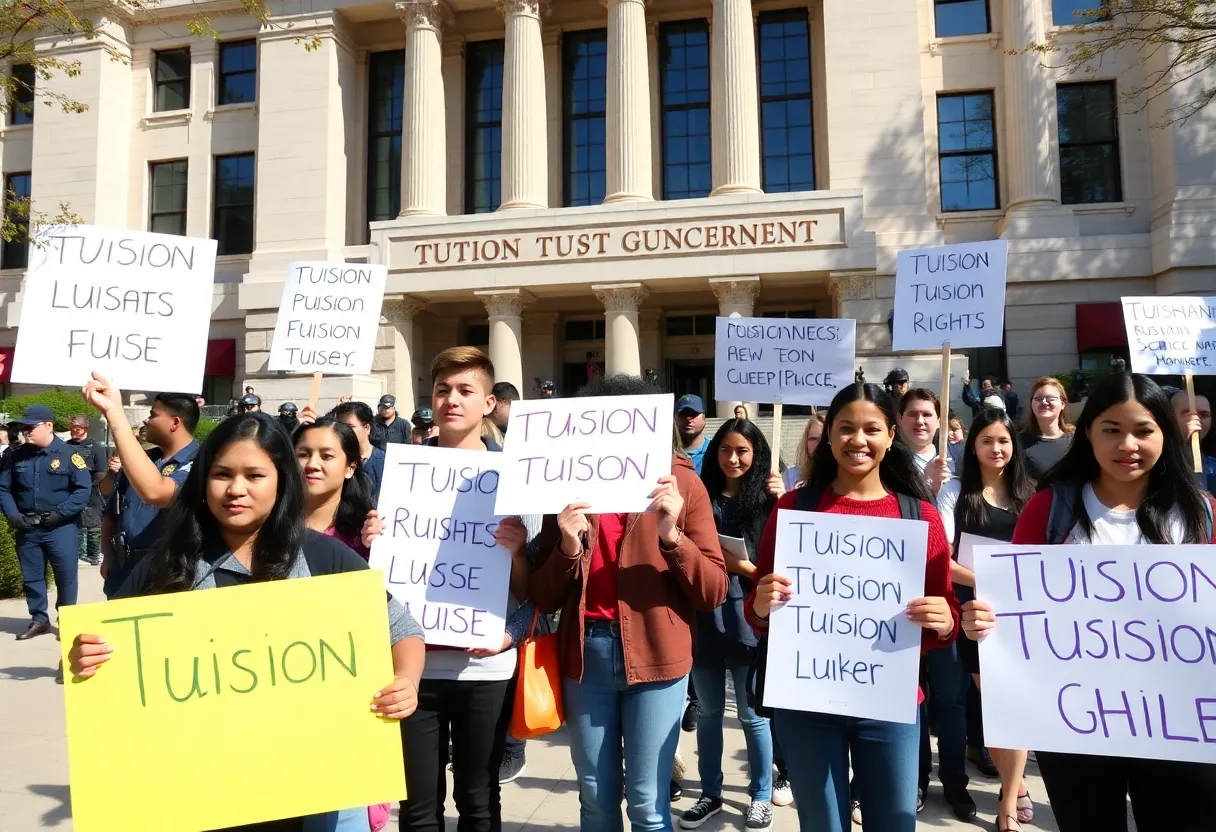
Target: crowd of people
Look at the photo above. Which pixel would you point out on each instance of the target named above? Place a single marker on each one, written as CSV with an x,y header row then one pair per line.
x,y
656,613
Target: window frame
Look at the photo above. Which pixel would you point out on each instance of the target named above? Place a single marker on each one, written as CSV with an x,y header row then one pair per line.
x,y
392,59
1115,140
222,76
217,208
158,83
18,250
183,212
987,18
570,41
472,125
23,96
665,108
941,154
802,14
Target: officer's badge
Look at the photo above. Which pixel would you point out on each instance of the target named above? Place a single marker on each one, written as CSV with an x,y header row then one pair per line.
x,y
77,460
54,465
169,469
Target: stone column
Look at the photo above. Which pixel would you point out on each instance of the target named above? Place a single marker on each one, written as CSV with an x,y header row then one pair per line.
x,y
423,166
736,299
525,162
734,99
629,150
622,345
399,313
505,308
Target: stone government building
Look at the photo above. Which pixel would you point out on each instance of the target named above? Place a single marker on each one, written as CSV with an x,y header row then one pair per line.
x,y
575,181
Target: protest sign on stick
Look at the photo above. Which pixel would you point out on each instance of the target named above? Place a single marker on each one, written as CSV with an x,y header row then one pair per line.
x,y
843,644
134,306
783,360
607,451
277,675
1171,336
1102,650
437,551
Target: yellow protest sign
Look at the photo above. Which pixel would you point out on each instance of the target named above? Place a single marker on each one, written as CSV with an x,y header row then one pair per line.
x,y
231,706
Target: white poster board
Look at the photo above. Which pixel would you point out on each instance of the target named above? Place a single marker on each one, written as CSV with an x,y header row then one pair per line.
x,y
843,643
783,360
609,452
966,548
134,306
1170,335
950,293
1100,649
437,550
328,318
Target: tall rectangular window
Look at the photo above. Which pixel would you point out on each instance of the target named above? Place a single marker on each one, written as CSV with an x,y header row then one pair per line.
x,y
167,202
232,223
1071,12
238,82
785,101
15,254
483,117
952,18
585,75
21,103
966,151
386,91
1089,143
171,80
684,97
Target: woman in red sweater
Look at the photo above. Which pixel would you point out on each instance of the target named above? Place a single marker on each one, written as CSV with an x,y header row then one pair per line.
x,y
858,470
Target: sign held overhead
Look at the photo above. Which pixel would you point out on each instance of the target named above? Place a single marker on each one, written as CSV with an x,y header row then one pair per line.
x,y
783,360
1171,335
952,294
328,318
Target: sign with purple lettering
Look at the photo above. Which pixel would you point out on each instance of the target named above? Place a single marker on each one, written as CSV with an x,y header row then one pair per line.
x,y
437,550
1101,649
1170,335
609,452
134,306
843,643
950,293
783,360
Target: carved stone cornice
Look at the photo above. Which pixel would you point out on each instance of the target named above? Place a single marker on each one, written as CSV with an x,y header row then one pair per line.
x,y
431,14
527,8
621,297
736,291
401,310
505,303
844,286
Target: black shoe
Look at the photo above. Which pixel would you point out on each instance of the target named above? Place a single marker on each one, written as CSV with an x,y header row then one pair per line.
x,y
677,791
920,800
960,803
512,765
36,628
982,760
689,723
701,811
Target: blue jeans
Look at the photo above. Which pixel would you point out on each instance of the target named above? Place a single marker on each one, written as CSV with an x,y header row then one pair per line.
x,y
884,754
604,712
35,549
710,679
946,690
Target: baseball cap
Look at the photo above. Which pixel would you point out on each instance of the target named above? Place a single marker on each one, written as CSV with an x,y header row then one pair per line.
x,y
548,385
423,417
35,414
388,401
690,402
287,407
251,400
897,376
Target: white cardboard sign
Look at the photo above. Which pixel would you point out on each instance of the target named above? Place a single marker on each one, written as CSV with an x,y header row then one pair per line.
x,y
132,305
843,643
950,293
437,550
609,452
1170,335
328,318
1100,649
966,548
783,360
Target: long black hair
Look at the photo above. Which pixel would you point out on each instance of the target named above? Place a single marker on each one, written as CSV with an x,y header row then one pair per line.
x,y
897,471
190,526
1171,485
1019,487
752,497
356,500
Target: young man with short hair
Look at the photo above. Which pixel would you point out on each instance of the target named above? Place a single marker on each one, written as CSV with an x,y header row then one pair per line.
x,y
690,422
504,393
358,417
389,426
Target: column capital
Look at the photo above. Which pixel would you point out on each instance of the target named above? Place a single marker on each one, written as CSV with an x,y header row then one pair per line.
x,y
401,310
621,297
505,303
735,291
525,8
431,14
851,286
608,4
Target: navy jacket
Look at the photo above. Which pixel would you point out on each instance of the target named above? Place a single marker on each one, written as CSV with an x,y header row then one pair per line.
x,y
55,478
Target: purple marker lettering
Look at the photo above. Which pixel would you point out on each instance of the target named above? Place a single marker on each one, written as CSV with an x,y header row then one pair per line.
x,y
1017,572
1118,586
1064,715
1126,711
1205,717
1159,591
1021,617
1165,728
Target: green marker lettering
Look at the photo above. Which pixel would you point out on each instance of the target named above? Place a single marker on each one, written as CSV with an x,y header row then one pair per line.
x,y
139,659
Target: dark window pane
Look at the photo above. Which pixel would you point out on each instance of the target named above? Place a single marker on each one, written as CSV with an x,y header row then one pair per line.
x,y
1089,143
1069,12
386,90
21,107
15,254
483,156
171,80
584,330
238,80
585,69
477,334
167,213
705,324
234,189
785,101
967,152
960,17
684,96
680,325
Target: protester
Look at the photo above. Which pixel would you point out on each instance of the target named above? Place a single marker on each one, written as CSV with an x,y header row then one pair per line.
x,y
690,421
642,575
140,483
987,392
504,393
337,497
1123,481
992,489
1198,421
90,519
742,494
896,383
1046,433
424,420
740,412
43,488
389,426
1012,405
358,417
811,436
858,471
548,390
919,421
240,520
958,432
289,417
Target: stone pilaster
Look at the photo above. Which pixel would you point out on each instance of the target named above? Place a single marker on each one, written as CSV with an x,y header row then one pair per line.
x,y
423,163
525,163
628,137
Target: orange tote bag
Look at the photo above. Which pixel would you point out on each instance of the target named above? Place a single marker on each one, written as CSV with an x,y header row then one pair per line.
x,y
538,687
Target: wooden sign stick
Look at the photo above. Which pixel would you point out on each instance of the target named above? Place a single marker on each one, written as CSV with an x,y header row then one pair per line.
x,y
1196,454
944,428
316,391
778,409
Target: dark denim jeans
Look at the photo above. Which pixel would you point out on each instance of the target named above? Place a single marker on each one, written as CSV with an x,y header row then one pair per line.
x,y
946,686
710,679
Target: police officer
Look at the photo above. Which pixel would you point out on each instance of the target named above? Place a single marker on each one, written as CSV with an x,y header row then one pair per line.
x,y
42,490
389,426
289,417
90,518
896,384
148,481
250,403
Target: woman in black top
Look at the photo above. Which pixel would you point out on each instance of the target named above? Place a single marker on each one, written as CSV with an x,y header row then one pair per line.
x,y
991,491
1046,433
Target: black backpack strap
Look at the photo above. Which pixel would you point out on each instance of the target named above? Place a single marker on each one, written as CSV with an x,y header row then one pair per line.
x,y
909,507
807,498
1063,514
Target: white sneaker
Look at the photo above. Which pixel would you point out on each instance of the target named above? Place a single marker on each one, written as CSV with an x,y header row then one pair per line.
x,y
783,795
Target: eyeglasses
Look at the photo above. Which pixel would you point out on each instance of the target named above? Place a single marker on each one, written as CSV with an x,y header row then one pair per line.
x,y
1045,399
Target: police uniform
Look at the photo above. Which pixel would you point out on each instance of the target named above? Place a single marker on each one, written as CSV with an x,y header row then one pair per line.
x,y
45,489
137,524
90,518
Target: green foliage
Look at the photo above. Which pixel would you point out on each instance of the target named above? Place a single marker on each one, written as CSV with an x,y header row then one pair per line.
x,y
205,426
10,569
63,403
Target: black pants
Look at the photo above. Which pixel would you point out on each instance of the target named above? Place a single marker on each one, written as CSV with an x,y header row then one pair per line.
x,y
1089,793
475,715
975,718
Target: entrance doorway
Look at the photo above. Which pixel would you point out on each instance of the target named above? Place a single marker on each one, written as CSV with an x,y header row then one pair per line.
x,y
696,377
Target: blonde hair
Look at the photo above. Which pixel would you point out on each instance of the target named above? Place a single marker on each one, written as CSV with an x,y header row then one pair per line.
x,y
490,431
1031,427
802,459
459,359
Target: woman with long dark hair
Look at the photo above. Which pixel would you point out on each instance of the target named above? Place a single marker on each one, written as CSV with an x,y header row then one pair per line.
x,y
985,500
742,493
1126,480
239,519
337,498
858,470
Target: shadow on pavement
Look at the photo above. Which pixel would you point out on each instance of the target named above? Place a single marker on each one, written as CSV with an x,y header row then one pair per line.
x,y
25,674
62,812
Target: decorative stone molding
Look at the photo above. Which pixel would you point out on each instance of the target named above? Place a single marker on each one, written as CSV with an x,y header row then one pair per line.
x,y
401,310
167,119
845,287
433,14
736,291
530,8
505,303
621,297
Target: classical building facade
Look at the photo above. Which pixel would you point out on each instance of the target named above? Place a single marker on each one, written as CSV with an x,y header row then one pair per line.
x,y
577,182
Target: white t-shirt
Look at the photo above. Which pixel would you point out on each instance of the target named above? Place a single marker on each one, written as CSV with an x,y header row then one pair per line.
x,y
1117,528
947,500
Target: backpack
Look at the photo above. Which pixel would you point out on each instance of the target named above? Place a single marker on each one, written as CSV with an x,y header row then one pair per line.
x,y
1063,513
805,499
